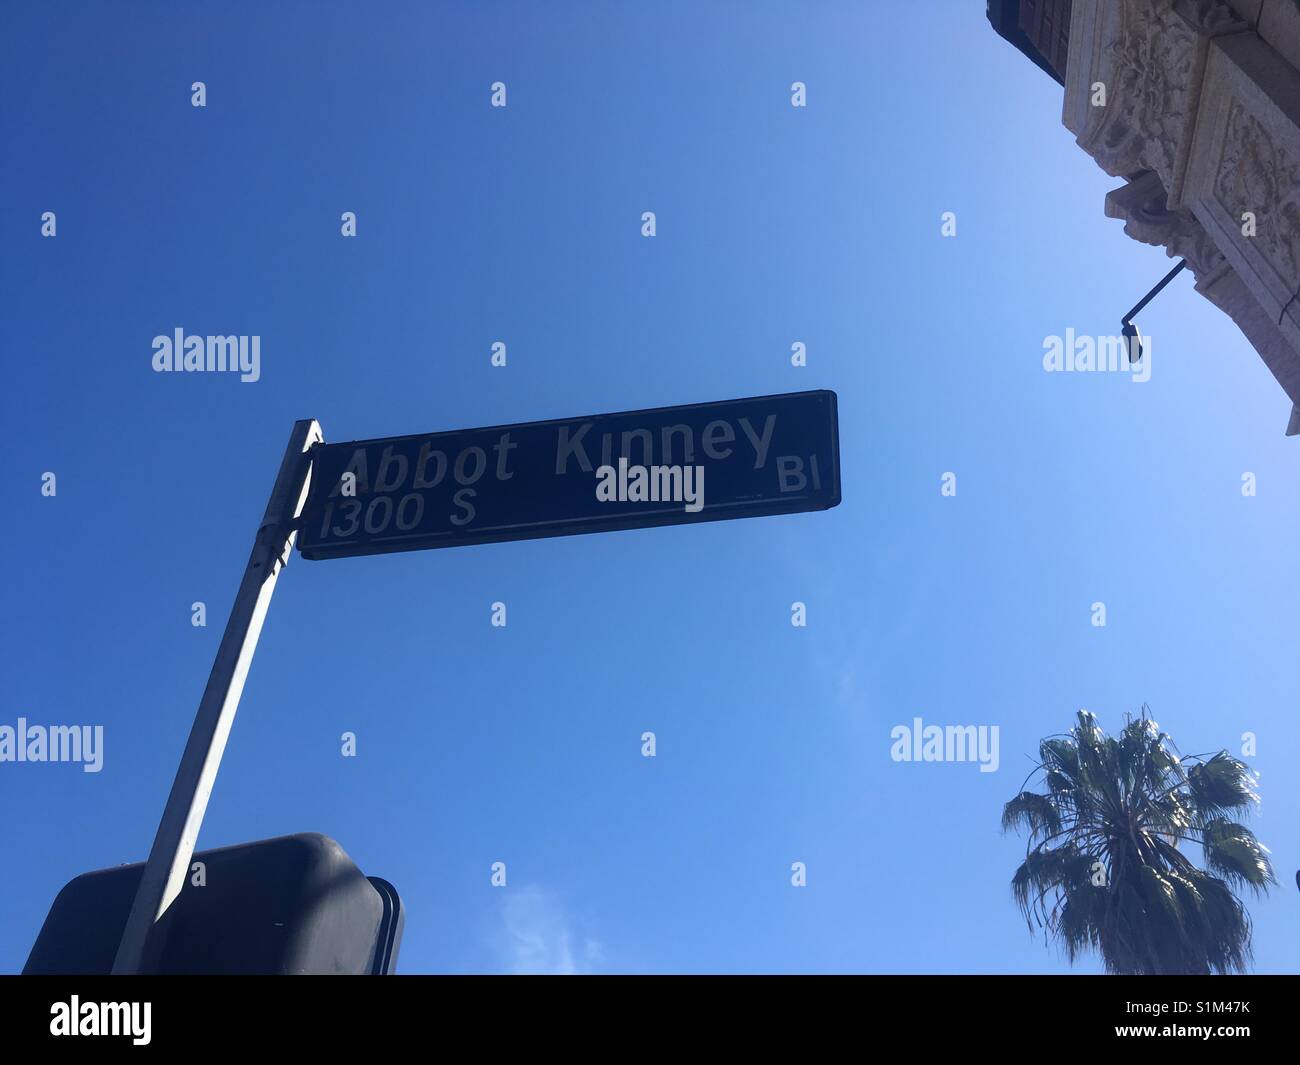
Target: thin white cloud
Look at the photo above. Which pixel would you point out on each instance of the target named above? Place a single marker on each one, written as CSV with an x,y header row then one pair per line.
x,y
539,938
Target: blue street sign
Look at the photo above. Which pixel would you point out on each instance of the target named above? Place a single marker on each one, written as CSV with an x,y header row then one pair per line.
x,y
740,458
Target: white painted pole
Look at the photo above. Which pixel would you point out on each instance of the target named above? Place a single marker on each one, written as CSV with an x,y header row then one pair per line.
x,y
173,846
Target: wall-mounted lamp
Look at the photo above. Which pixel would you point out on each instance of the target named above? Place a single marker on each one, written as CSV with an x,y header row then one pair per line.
x,y
1132,338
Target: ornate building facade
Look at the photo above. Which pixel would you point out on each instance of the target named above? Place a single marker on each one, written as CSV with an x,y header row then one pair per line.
x,y
1196,105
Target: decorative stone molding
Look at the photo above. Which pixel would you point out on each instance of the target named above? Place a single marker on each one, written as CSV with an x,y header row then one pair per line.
x,y
1245,167
1258,177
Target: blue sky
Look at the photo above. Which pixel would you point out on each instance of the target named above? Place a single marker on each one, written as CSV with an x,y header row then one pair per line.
x,y
775,225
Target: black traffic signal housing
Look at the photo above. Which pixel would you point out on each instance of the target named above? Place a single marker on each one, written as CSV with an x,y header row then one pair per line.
x,y
290,905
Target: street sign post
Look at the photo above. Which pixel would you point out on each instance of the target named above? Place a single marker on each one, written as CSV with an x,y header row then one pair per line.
x,y
178,831
666,466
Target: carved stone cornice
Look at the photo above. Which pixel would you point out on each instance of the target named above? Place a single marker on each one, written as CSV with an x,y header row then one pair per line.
x,y
1141,205
1149,56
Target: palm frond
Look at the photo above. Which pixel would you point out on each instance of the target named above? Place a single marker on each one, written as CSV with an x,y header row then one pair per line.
x,y
1104,870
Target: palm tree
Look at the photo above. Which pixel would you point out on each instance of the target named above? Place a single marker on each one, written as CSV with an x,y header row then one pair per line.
x,y
1104,868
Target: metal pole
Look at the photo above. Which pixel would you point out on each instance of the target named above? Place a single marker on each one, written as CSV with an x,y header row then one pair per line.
x,y
173,846
1154,292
